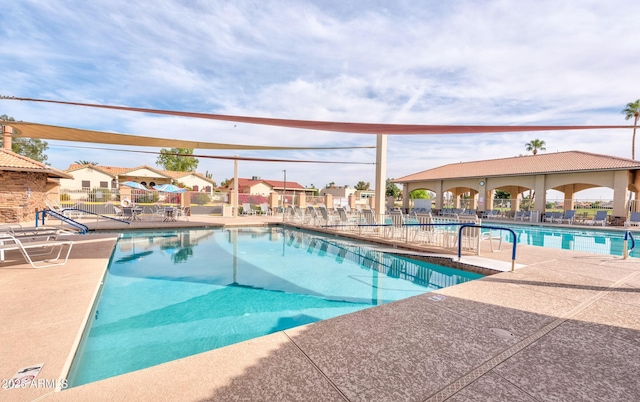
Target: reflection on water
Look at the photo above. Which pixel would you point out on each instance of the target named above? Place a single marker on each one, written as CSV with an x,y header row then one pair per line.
x,y
571,238
169,295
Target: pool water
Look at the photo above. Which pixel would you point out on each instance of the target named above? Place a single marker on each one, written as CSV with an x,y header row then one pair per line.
x,y
169,295
591,240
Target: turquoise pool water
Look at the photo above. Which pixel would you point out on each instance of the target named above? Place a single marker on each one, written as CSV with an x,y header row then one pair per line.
x,y
587,239
169,295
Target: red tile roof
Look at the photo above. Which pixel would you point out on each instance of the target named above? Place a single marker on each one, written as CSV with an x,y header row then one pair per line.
x,y
570,161
122,171
12,161
291,185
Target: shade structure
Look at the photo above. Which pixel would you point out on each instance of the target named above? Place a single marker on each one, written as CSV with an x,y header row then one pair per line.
x,y
169,188
135,185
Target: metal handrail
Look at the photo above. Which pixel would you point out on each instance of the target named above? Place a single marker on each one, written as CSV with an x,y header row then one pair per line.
x,y
96,214
82,229
513,251
627,236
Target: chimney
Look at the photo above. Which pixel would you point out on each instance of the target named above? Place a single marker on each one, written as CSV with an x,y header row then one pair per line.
x,y
6,137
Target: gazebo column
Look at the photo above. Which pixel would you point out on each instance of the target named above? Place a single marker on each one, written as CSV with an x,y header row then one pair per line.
x,y
620,205
456,198
405,197
488,201
541,194
568,197
439,195
514,200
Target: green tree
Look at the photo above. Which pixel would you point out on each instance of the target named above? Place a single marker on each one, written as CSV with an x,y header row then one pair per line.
x,y
330,185
362,185
32,148
633,110
502,195
178,163
419,194
392,189
535,145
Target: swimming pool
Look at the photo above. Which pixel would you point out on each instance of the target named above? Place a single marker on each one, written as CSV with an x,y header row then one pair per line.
x,y
587,239
173,294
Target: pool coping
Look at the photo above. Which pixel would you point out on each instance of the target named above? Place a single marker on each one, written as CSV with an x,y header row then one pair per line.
x,y
254,360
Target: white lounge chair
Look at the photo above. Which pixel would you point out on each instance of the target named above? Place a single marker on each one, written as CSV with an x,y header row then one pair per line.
x,y
38,248
600,218
264,209
634,220
247,210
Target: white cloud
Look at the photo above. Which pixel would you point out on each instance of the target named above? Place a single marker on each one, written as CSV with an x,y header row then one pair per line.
x,y
433,62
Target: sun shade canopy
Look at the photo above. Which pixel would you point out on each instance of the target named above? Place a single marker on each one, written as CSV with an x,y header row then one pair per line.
x,y
354,128
48,132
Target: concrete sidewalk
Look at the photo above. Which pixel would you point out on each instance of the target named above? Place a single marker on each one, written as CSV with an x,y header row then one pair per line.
x,y
564,326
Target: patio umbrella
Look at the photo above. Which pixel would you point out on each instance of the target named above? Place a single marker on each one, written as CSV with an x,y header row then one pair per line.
x,y
135,185
169,188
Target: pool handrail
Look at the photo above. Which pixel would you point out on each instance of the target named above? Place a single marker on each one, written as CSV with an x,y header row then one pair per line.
x,y
627,236
82,228
513,250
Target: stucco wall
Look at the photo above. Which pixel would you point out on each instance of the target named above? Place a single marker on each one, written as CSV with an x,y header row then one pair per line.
x,y
22,193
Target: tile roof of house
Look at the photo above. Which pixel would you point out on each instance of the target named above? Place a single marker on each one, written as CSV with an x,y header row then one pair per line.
x,y
179,175
570,161
12,161
122,171
291,185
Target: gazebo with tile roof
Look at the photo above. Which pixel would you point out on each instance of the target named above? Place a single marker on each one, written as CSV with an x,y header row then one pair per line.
x,y
567,172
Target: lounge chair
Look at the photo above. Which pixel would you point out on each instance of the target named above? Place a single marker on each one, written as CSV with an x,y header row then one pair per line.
x,y
38,248
600,218
634,220
264,209
552,217
246,209
569,216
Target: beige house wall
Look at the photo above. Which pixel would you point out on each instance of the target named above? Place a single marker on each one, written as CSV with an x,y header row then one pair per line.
x,y
262,189
193,180
93,176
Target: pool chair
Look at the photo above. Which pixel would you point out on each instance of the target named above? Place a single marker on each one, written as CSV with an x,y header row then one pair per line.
x,y
634,220
246,209
310,216
599,219
569,216
552,217
37,248
265,210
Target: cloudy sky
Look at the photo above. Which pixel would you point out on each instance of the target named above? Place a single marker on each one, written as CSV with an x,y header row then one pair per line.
x,y
501,62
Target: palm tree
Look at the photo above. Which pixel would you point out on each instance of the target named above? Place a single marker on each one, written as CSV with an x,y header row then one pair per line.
x,y
83,162
632,110
535,145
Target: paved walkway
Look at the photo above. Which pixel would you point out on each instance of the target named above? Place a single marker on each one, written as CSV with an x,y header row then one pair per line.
x,y
564,326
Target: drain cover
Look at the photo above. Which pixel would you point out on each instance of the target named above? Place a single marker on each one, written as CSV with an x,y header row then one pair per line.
x,y
502,333
437,297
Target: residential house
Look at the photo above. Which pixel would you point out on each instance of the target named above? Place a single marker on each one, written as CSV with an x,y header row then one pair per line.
x,y
258,186
110,177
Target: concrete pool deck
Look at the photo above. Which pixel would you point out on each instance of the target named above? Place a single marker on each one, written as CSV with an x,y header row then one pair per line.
x,y
564,326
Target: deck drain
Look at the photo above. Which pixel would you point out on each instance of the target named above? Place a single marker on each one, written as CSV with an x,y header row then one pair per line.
x,y
437,297
502,333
